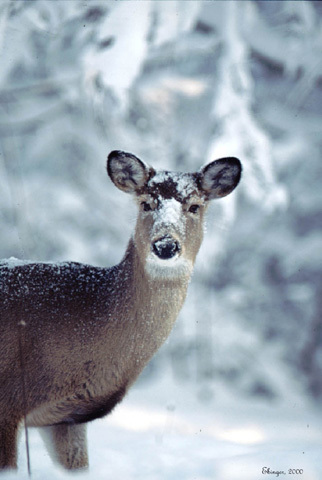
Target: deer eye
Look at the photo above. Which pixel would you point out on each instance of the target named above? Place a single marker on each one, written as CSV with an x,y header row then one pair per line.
x,y
194,208
146,206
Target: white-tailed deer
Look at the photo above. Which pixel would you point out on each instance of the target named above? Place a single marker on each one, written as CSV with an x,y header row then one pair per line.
x,y
75,337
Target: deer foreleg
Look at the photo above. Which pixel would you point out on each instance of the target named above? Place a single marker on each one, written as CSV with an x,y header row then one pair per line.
x,y
67,444
8,445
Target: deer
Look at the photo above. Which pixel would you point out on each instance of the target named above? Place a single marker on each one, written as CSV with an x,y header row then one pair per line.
x,y
75,337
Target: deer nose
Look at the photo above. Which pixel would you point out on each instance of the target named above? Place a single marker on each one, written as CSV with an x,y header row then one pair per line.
x,y
166,247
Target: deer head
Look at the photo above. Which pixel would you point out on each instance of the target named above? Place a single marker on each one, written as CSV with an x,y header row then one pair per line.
x,y
172,205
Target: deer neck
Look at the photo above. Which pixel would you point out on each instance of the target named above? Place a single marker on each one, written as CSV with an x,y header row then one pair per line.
x,y
151,306
151,294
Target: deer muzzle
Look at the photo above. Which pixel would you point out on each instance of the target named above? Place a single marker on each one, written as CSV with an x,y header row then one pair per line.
x,y
166,247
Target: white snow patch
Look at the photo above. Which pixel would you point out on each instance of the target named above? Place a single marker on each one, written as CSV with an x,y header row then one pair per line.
x,y
173,19
168,213
117,67
185,183
185,186
13,262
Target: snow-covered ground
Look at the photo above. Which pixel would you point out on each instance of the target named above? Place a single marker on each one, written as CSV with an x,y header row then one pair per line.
x,y
161,431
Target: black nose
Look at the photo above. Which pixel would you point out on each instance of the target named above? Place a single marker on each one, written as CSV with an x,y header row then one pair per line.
x,y
166,247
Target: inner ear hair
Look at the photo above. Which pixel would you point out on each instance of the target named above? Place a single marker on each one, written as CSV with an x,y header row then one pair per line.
x,y
220,177
127,171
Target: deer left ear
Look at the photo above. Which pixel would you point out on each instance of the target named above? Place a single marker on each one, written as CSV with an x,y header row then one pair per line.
x,y
220,177
127,172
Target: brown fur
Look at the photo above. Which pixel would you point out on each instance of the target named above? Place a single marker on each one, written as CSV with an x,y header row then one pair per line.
x,y
77,336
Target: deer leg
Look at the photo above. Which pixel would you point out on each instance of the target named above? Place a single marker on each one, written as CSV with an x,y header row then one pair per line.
x,y
67,444
8,445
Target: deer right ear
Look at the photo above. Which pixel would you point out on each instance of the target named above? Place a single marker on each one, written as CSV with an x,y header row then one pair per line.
x,y
221,177
127,172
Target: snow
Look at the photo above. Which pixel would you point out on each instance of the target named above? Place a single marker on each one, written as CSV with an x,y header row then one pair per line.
x,y
184,182
168,213
198,80
174,18
161,244
110,65
162,430
12,262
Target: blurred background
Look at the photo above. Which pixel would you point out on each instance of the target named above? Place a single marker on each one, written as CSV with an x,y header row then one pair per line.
x,y
178,83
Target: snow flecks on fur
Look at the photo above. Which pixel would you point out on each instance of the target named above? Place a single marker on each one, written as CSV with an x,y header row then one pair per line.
x,y
173,229
168,214
55,285
183,182
13,262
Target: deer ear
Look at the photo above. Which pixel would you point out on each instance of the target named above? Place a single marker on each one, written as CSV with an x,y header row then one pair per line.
x,y
220,177
126,171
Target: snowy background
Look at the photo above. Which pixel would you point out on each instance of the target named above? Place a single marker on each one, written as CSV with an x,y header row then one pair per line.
x,y
238,385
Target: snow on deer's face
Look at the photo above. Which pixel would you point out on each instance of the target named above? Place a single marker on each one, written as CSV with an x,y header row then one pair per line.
x,y
169,228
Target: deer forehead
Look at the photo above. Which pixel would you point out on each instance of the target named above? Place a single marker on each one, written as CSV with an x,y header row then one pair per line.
x,y
171,185
171,193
